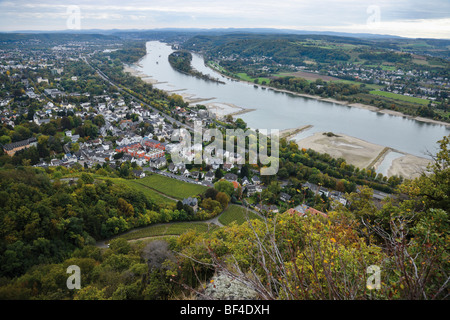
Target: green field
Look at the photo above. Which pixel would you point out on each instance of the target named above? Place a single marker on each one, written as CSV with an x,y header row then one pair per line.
x,y
368,85
236,213
384,67
246,77
400,97
169,229
171,187
148,192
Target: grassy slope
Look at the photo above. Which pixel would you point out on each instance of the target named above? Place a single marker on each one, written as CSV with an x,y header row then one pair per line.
x,y
171,229
172,187
236,213
400,97
148,192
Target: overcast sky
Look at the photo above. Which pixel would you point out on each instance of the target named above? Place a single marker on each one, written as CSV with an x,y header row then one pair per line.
x,y
409,18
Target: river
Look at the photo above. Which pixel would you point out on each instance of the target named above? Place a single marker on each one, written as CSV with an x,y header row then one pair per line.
x,y
279,110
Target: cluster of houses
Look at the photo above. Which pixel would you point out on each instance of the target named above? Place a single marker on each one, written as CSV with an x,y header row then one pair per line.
x,y
147,150
320,190
416,83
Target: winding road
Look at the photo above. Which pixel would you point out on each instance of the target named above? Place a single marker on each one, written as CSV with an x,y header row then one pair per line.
x,y
215,221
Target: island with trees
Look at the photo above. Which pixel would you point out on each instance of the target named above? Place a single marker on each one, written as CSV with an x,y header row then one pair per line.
x,y
181,61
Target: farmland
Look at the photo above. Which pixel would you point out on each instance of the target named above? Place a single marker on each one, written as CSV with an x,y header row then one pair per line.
x,y
167,229
400,97
148,192
171,187
236,213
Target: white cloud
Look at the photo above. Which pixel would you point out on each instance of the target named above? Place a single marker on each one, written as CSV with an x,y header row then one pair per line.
x,y
420,28
412,18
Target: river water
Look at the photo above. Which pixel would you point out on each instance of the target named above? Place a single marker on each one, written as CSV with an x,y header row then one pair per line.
x,y
278,110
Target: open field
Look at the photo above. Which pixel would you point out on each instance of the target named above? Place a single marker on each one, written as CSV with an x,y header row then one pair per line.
x,y
148,192
215,66
368,85
310,76
400,97
245,77
236,213
167,229
172,187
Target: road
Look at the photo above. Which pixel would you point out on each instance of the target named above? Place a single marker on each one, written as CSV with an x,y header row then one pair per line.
x,y
104,243
215,221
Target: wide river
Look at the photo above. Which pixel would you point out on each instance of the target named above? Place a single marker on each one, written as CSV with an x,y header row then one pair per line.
x,y
278,110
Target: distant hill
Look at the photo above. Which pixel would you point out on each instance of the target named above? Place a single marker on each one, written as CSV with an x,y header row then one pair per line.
x,y
55,36
213,31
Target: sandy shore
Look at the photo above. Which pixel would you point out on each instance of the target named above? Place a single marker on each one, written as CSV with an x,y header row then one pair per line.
x,y
288,134
363,154
408,166
355,151
136,73
222,109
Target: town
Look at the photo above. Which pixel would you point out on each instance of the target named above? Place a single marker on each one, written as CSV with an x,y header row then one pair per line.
x,y
101,170
102,126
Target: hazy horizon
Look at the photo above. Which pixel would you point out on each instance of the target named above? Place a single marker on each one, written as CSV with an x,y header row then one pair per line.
x,y
412,19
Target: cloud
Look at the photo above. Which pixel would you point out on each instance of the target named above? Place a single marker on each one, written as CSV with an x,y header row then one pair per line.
x,y
401,17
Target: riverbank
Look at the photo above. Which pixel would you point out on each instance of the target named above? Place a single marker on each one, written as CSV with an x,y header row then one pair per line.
x,y
290,133
363,154
408,166
223,109
360,106
340,102
355,151
361,157
136,73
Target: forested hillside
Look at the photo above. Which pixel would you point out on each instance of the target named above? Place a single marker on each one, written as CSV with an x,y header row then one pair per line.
x,y
288,256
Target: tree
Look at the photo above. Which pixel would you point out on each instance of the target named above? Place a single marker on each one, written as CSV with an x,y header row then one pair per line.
x,y
211,205
224,186
244,171
218,174
87,178
211,193
119,246
223,199
240,123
